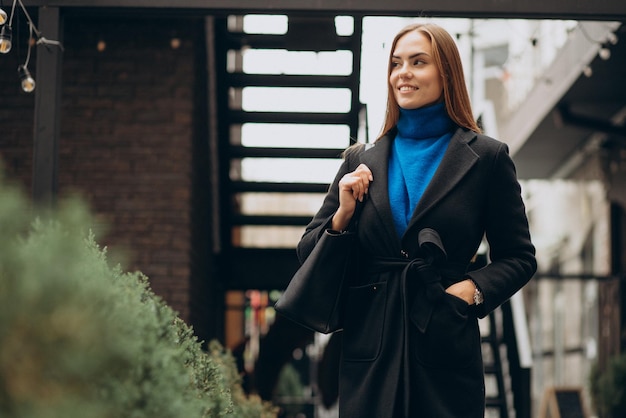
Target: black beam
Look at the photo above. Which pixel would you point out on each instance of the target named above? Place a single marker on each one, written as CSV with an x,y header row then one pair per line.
x,y
253,186
240,116
261,268
588,122
47,110
284,80
238,151
355,103
581,276
540,9
270,220
238,40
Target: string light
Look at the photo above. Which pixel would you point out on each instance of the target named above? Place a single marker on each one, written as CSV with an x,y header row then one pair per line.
x,y
28,82
611,38
5,39
604,52
35,37
6,33
101,46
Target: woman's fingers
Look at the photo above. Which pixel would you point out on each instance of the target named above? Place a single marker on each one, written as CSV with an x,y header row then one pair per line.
x,y
356,183
364,176
352,187
362,168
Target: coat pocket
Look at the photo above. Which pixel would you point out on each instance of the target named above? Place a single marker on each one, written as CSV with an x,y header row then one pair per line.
x,y
364,322
452,339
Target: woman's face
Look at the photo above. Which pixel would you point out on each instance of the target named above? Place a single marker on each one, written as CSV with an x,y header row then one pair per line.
x,y
414,78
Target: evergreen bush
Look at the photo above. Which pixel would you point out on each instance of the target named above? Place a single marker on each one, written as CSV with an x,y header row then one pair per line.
x,y
608,388
82,338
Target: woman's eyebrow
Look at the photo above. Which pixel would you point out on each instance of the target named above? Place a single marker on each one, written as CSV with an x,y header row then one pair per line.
x,y
410,56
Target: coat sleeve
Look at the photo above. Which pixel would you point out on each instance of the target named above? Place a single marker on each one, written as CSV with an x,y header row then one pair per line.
x,y
511,252
323,218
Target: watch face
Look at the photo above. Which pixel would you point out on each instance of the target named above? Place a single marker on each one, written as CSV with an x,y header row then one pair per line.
x,y
478,297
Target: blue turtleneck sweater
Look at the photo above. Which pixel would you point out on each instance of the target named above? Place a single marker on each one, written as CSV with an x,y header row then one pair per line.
x,y
422,138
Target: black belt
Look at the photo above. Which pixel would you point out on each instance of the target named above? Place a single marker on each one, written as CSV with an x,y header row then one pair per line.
x,y
424,270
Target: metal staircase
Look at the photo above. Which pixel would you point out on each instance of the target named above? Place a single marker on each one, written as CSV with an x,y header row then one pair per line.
x,y
496,368
507,376
267,266
271,268
264,267
507,371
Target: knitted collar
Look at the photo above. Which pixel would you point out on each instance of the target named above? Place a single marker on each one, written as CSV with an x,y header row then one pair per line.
x,y
424,122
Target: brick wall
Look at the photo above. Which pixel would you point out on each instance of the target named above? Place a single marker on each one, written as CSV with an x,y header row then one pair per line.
x,y
16,118
127,137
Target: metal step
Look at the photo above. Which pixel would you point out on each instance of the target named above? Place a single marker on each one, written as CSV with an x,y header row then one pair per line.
x,y
238,40
270,220
240,116
284,80
249,186
261,268
239,151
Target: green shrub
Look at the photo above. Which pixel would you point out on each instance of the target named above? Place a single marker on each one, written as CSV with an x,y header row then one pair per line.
x,y
82,338
608,388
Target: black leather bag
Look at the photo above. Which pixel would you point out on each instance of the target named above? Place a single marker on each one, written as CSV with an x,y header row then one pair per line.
x,y
315,296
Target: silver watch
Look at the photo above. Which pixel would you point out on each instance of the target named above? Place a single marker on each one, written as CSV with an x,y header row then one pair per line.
x,y
478,295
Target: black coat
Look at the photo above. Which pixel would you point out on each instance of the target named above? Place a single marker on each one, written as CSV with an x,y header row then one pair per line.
x,y
395,364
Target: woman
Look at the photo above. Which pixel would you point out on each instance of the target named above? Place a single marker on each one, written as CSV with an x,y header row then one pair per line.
x,y
411,338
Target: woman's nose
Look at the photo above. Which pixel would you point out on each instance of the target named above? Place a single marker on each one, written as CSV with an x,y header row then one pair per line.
x,y
404,72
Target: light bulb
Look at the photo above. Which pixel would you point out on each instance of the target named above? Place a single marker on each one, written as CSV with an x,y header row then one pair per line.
x,y
3,17
604,53
5,39
611,38
28,82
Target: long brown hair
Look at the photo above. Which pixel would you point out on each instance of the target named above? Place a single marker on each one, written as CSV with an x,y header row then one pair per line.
x,y
448,61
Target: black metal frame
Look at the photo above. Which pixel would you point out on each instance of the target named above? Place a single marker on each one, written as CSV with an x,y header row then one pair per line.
x,y
47,119
557,9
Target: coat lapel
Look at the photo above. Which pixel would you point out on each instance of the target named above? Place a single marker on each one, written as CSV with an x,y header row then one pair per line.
x,y
456,162
377,159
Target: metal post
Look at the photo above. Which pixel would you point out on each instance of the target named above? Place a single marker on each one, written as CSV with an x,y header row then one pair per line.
x,y
47,110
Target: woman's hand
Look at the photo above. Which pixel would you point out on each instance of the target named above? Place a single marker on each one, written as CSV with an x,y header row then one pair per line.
x,y
352,187
463,290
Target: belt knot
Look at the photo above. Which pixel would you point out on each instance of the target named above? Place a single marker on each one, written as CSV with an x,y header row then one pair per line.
x,y
426,270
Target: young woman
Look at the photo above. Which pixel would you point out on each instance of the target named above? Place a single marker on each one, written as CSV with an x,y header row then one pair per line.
x,y
411,343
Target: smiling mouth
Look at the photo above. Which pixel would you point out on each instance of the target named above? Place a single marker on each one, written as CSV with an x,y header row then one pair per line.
x,y
407,88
